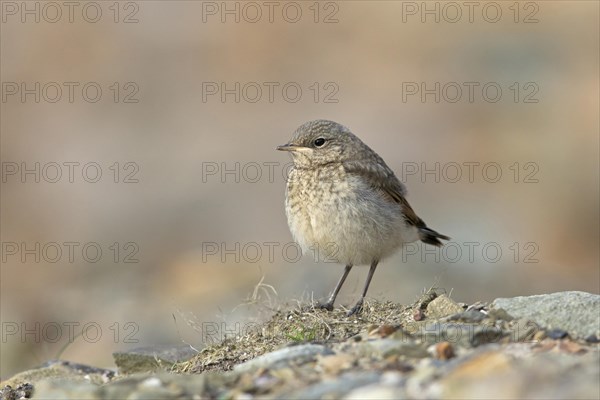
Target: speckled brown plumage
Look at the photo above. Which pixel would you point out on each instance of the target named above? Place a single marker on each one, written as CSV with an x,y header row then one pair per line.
x,y
344,203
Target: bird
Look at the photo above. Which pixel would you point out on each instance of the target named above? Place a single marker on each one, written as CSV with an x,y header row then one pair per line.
x,y
345,204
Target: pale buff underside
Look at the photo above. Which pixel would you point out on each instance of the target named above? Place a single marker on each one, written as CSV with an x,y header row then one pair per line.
x,y
343,219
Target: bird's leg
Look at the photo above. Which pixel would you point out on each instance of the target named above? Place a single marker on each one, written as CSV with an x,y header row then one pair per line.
x,y
359,304
329,305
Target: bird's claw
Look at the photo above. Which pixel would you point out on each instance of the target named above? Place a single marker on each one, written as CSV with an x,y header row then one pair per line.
x,y
356,309
327,306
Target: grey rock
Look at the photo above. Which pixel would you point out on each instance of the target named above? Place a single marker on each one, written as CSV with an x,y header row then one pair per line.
x,y
383,348
59,388
155,358
499,314
335,388
443,306
390,386
459,334
495,355
59,369
298,354
592,339
557,334
522,330
421,378
138,386
468,316
578,313
375,392
546,376
23,391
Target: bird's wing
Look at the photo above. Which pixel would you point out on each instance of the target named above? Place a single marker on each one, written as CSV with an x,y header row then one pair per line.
x,y
383,179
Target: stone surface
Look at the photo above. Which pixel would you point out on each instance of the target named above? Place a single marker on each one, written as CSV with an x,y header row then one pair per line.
x,y
297,354
60,369
336,388
138,386
578,313
471,316
23,391
145,359
376,392
478,353
51,389
390,347
523,330
459,334
443,306
548,376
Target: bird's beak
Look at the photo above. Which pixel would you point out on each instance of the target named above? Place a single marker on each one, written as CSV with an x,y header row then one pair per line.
x,y
287,147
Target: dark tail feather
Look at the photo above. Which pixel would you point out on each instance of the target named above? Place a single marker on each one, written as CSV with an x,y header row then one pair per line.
x,y
430,236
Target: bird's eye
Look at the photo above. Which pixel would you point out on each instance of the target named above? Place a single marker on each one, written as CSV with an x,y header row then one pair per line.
x,y
319,142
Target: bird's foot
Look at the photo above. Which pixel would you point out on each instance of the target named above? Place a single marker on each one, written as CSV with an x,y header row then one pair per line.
x,y
326,306
356,309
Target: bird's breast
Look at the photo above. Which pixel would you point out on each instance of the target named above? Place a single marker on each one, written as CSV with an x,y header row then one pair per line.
x,y
314,197
329,209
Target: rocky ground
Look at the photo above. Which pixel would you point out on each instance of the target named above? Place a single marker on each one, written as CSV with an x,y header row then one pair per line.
x,y
544,347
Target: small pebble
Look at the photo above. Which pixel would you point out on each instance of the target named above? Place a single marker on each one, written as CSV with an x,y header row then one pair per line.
x,y
468,316
556,334
382,330
443,351
539,336
592,339
151,383
418,314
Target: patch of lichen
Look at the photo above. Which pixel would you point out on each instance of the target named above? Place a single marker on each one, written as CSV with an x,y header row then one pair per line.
x,y
298,324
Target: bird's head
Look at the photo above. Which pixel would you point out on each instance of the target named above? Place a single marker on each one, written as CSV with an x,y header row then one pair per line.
x,y
322,142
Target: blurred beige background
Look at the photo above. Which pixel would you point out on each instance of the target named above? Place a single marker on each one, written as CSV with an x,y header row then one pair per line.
x,y
541,135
